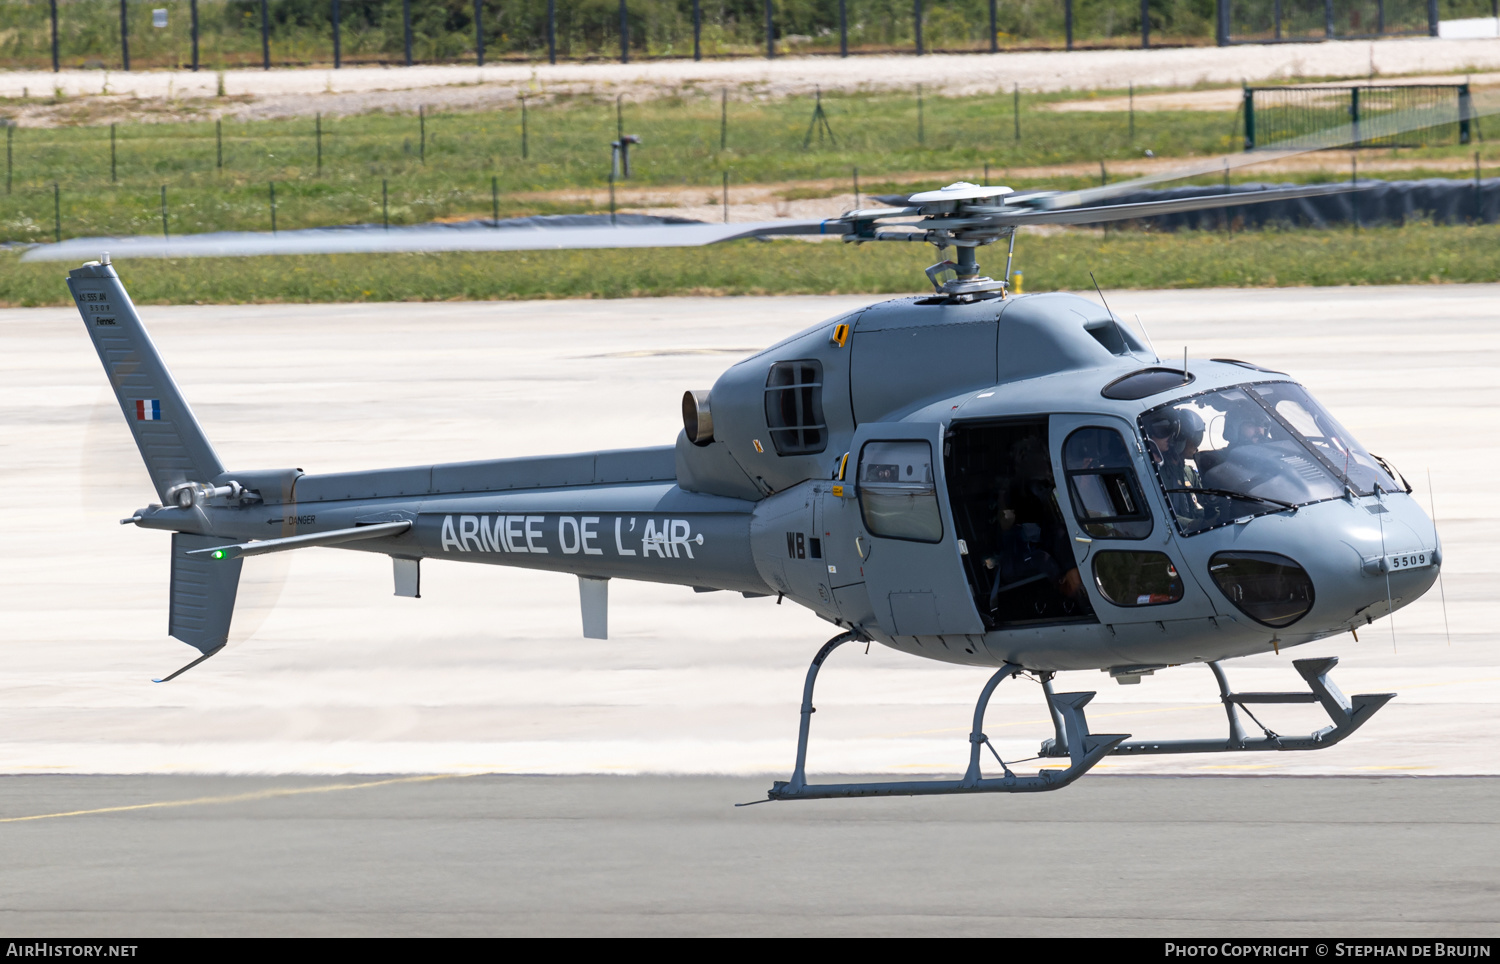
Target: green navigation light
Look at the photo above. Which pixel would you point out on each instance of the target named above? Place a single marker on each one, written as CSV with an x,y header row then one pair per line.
x,y
218,553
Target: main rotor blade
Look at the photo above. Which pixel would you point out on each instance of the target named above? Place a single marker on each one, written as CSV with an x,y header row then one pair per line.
x,y
238,244
1146,209
1389,125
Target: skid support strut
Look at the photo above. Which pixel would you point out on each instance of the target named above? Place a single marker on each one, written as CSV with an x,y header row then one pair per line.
x,y
1348,714
1068,707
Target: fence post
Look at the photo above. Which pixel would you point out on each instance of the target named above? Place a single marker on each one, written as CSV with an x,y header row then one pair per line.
x,y
1379,17
770,37
265,36
56,212
525,146
406,27
479,31
1354,113
844,27
551,31
1221,25
1276,14
1145,24
219,144
319,130
697,30
1432,18
624,35
1016,112
1465,111
1249,118
916,21
1328,19
273,206
422,124
1068,21
10,133
994,30
338,51
56,66
164,232
193,14
124,38
724,118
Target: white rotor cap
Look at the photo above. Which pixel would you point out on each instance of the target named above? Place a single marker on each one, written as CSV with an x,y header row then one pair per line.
x,y
958,191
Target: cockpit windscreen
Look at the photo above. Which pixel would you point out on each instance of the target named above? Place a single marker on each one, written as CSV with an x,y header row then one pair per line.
x,y
1252,450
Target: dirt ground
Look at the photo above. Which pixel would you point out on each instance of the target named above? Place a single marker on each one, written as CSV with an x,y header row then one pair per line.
x,y
101,96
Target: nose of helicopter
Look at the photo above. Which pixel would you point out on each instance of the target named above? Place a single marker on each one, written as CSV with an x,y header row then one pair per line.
x,y
1333,566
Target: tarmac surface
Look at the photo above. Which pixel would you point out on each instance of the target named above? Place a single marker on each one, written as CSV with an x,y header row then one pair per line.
x,y
1221,857
329,678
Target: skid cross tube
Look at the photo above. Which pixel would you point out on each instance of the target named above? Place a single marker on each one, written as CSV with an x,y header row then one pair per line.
x,y
1066,707
1347,713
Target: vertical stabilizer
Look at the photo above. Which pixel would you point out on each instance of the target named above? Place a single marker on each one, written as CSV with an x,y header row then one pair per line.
x,y
171,442
203,592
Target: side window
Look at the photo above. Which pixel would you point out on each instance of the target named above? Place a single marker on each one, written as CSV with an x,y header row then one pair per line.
x,y
898,491
1136,578
794,407
1106,496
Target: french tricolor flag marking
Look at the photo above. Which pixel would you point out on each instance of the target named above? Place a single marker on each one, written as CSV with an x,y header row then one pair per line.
x,y
148,410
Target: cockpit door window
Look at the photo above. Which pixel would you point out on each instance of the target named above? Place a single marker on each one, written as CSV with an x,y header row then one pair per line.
x,y
1107,498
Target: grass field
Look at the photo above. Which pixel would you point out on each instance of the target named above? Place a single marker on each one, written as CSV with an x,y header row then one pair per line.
x,y
85,179
1061,261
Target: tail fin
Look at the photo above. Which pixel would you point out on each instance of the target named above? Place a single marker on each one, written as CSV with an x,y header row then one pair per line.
x,y
169,437
203,593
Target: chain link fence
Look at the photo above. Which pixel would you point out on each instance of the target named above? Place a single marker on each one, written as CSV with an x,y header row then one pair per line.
x,y
221,34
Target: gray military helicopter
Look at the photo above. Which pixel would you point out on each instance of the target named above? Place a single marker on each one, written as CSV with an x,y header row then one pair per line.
x,y
972,476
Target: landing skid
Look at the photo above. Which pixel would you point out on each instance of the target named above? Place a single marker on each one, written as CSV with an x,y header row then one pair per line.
x,y
1347,713
1082,748
1067,709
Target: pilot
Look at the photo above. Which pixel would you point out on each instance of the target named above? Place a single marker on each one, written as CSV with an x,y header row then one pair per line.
x,y
1245,427
1176,436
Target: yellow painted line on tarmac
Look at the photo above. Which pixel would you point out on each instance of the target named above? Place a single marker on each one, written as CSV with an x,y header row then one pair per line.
x,y
242,797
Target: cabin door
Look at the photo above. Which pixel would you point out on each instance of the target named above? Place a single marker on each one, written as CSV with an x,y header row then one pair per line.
x,y
1126,549
909,550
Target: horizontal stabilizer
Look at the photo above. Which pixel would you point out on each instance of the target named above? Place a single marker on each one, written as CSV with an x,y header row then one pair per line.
x,y
263,546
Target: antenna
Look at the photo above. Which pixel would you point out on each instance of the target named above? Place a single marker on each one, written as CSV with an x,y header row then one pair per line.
x,y
1100,294
1431,502
1148,338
